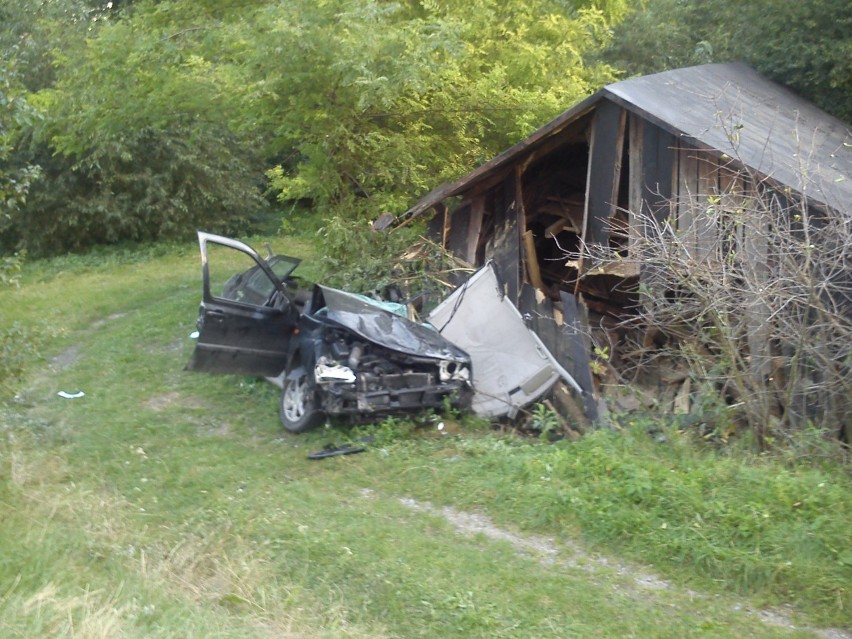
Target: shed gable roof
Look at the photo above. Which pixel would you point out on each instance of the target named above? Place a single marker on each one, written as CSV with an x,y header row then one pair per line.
x,y
732,109
725,108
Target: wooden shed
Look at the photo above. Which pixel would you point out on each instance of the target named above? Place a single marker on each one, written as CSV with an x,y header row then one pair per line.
x,y
648,144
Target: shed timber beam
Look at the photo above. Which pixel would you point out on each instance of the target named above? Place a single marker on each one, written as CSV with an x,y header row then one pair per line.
x,y
474,228
532,261
604,171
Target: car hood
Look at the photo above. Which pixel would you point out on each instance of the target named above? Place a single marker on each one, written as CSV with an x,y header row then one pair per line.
x,y
380,326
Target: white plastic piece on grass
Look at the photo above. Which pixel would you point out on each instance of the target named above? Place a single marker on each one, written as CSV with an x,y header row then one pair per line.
x,y
67,395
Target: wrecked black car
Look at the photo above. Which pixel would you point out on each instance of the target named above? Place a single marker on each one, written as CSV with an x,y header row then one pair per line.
x,y
332,352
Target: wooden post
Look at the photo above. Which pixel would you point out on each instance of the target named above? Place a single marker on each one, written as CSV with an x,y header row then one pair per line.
x,y
708,187
634,191
477,211
687,200
532,261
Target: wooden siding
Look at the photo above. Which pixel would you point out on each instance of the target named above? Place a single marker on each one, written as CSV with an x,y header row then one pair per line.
x,y
562,328
504,247
604,171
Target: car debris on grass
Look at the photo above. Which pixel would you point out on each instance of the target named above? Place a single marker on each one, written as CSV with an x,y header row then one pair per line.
x,y
339,353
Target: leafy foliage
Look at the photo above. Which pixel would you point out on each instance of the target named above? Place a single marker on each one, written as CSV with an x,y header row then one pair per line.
x,y
137,146
10,269
16,114
352,107
379,102
20,347
160,117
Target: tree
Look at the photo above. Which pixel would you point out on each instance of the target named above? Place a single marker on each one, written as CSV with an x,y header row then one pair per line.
x,y
373,103
162,116
136,142
16,114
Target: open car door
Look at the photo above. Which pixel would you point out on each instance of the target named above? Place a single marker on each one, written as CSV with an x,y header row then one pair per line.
x,y
246,320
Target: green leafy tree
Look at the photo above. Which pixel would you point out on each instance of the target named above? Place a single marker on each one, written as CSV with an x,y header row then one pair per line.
x,y
163,116
373,103
16,115
136,142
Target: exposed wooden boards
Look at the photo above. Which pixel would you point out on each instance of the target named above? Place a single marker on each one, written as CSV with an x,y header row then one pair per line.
x,y
435,226
565,224
658,157
485,173
730,109
634,190
656,175
504,246
576,133
488,183
604,171
731,200
687,194
564,332
576,325
725,108
462,229
538,315
746,236
708,190
456,237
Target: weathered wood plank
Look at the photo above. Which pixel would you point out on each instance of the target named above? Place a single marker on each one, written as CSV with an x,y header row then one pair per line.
x,y
635,190
575,330
456,241
687,198
708,191
607,141
565,334
474,228
657,171
504,247
731,199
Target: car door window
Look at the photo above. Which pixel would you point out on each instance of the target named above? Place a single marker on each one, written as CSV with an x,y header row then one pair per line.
x,y
236,277
282,265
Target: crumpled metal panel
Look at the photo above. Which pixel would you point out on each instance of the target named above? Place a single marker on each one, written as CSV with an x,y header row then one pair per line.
x,y
511,366
380,326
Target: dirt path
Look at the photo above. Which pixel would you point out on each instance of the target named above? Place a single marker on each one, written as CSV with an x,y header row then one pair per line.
x,y
638,581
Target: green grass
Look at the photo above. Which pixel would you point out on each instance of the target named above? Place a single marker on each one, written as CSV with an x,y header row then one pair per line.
x,y
166,503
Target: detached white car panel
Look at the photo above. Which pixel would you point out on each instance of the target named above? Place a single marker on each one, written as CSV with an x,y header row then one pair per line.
x,y
511,366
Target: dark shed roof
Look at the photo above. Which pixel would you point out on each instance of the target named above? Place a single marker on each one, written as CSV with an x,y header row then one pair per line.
x,y
726,108
733,109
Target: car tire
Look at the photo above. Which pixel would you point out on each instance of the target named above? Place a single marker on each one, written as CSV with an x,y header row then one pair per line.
x,y
298,408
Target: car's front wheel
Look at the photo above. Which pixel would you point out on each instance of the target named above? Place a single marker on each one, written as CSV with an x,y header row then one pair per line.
x,y
299,411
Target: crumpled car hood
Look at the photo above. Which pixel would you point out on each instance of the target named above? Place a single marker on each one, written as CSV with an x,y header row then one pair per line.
x,y
380,326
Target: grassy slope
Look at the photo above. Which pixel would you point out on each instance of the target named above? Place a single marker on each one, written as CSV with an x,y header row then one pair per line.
x,y
165,503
